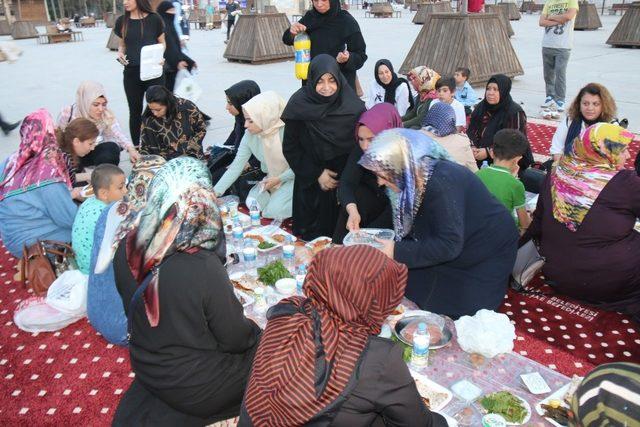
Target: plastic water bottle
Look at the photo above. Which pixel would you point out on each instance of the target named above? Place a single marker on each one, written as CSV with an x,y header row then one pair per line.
x,y
237,235
289,255
420,351
254,213
249,257
302,46
485,164
300,276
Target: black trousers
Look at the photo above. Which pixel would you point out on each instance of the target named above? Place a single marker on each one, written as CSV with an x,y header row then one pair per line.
x,y
135,88
170,80
230,23
374,209
105,152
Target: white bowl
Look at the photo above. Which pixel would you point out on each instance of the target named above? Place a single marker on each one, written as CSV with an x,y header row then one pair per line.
x,y
286,286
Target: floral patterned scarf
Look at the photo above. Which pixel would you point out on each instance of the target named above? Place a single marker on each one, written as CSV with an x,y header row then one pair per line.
x,y
181,215
38,161
406,158
583,174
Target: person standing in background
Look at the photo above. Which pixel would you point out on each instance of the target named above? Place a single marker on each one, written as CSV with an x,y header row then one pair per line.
x,y
138,27
557,18
233,9
335,32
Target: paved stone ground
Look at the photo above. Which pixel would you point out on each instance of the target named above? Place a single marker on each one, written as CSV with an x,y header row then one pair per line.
x,y
47,75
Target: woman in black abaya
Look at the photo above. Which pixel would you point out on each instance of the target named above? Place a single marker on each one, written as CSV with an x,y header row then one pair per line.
x,y
335,32
318,136
175,59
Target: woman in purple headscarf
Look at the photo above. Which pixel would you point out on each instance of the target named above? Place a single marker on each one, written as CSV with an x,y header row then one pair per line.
x,y
363,202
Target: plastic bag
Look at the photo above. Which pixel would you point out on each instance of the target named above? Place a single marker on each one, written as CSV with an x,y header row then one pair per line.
x,y
68,293
186,86
35,315
487,333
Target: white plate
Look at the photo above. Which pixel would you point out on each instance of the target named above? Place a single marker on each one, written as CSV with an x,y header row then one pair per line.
x,y
435,387
310,244
266,239
557,395
87,191
524,403
270,230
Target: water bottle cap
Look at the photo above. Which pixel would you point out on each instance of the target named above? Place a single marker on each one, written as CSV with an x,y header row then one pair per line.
x,y
422,327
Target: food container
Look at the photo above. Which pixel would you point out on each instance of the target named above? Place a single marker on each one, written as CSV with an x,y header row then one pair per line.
x,y
439,332
286,286
493,420
245,299
367,236
319,243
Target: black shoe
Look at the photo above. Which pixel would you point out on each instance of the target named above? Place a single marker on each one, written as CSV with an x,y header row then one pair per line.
x,y
7,129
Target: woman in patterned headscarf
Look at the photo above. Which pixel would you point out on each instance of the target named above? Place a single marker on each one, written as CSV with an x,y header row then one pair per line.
x,y
35,188
320,362
190,344
424,82
104,305
456,238
585,219
440,125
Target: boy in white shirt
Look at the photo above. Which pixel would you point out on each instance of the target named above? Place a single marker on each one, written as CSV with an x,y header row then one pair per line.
x,y
446,88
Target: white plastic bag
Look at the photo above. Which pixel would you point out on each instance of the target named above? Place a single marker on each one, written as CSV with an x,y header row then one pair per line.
x,y
151,61
35,315
68,293
487,333
186,86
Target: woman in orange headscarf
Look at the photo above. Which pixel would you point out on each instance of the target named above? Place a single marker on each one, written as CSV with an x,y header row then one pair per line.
x,y
320,362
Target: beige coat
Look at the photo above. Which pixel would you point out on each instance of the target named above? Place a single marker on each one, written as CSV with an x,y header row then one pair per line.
x,y
459,147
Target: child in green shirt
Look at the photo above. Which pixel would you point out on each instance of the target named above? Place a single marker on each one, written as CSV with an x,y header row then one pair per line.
x,y
108,184
509,145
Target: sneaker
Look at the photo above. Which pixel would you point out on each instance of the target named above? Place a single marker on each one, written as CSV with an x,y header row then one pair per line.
x,y
560,106
548,102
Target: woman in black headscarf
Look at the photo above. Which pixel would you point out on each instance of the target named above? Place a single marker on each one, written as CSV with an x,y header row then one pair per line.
x,y
495,112
175,59
318,136
390,88
221,157
335,32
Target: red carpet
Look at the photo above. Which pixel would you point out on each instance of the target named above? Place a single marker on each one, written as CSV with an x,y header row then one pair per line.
x,y
73,377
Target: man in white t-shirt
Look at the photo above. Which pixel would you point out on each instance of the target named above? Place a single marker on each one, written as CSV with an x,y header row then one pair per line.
x,y
558,18
446,88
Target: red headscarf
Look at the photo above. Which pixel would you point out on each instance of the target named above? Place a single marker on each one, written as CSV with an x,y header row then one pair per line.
x,y
38,161
380,117
311,346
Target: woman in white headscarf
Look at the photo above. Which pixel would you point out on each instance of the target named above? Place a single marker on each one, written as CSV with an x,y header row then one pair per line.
x,y
264,140
91,103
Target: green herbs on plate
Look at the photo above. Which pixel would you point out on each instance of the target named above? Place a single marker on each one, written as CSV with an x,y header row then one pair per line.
x,y
271,273
266,245
505,404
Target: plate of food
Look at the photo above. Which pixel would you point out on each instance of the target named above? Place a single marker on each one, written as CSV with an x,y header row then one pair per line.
x,y
87,191
514,409
318,244
434,396
367,236
265,244
555,407
439,332
243,282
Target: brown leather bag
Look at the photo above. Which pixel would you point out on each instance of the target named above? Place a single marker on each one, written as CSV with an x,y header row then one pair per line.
x,y
37,268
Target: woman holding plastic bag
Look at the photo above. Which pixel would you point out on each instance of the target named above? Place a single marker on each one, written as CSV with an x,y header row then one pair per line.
x,y
175,59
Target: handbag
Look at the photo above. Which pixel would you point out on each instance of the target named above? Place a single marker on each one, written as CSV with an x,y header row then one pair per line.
x,y
42,262
528,263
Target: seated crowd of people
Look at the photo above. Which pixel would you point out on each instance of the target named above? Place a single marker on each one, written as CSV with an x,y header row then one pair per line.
x,y
445,172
